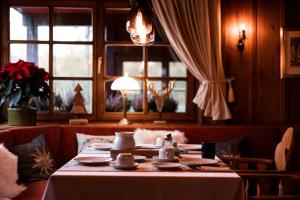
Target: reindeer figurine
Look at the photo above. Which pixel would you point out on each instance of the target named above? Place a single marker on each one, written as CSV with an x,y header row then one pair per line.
x,y
160,95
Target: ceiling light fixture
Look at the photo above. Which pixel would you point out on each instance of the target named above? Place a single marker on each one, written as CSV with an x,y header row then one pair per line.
x,y
139,22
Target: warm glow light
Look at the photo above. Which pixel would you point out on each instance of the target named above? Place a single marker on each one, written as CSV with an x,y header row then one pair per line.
x,y
242,27
140,27
125,83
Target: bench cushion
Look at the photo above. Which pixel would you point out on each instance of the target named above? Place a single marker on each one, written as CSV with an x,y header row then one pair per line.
x,y
51,133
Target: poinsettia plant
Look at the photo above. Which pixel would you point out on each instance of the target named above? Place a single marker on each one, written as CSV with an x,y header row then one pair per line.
x,y
22,82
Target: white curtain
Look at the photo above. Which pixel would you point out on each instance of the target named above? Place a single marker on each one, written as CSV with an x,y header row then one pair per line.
x,y
193,28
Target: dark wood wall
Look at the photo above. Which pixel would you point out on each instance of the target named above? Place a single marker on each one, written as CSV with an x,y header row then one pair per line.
x,y
262,97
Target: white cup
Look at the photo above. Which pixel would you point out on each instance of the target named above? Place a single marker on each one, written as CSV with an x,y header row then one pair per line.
x,y
166,153
125,160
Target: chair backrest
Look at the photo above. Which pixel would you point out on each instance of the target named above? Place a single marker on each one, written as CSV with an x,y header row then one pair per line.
x,y
271,186
282,148
293,155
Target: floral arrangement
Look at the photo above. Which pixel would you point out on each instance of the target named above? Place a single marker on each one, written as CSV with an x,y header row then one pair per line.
x,y
22,82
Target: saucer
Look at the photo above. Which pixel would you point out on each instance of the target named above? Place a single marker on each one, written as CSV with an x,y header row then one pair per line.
x,y
139,158
157,159
113,164
166,165
92,160
102,146
189,147
198,162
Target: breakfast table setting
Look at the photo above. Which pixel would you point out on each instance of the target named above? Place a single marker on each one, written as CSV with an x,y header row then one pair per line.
x,y
164,170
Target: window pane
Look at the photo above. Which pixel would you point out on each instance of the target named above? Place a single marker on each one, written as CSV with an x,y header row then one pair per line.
x,y
133,68
116,56
177,69
72,60
155,69
64,92
159,59
115,26
113,99
37,53
29,23
179,94
73,24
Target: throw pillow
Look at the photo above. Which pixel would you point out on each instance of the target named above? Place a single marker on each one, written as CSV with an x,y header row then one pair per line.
x,y
146,136
35,160
234,147
84,140
8,174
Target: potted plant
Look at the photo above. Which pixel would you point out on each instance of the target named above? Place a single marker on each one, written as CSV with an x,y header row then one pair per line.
x,y
20,83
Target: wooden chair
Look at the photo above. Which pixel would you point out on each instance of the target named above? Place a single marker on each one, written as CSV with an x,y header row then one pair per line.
x,y
286,157
271,186
272,179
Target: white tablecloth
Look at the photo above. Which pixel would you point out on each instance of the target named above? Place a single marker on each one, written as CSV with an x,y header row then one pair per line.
x,y
137,185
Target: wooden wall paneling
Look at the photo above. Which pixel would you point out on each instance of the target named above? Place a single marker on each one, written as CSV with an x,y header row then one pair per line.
x,y
240,64
290,86
267,89
292,97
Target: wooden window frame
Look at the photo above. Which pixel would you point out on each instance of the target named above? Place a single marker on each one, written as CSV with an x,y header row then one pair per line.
x,y
189,115
50,114
98,78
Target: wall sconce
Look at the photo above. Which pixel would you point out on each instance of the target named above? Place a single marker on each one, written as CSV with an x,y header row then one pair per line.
x,y
242,37
139,22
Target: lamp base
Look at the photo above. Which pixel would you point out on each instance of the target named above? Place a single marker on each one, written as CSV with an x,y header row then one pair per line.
x,y
124,121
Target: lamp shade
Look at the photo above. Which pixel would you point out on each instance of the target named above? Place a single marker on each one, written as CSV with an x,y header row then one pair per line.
x,y
125,83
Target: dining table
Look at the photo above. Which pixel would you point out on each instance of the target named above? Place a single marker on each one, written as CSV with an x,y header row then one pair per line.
x,y
77,181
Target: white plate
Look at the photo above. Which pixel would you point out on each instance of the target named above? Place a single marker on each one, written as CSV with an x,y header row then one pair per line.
x,y
199,162
148,146
92,160
139,158
102,146
157,159
113,164
166,165
189,147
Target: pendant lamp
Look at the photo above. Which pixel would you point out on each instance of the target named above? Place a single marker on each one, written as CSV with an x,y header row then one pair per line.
x,y
139,22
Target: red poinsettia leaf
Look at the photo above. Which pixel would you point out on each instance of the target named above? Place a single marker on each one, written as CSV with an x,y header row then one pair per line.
x,y
25,72
19,76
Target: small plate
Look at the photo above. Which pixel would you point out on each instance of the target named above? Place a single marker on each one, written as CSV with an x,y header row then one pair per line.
x,y
166,165
189,147
157,159
148,146
92,160
139,158
199,162
102,146
113,164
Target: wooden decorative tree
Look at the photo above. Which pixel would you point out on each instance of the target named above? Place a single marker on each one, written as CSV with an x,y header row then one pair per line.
x,y
78,106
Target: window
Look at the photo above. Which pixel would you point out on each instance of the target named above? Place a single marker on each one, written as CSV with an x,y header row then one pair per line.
x,y
67,38
64,48
157,63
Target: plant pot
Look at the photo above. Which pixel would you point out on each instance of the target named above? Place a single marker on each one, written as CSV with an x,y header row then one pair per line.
x,y
21,117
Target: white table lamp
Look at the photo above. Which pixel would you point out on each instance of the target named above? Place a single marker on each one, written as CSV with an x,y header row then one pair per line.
x,y
125,84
